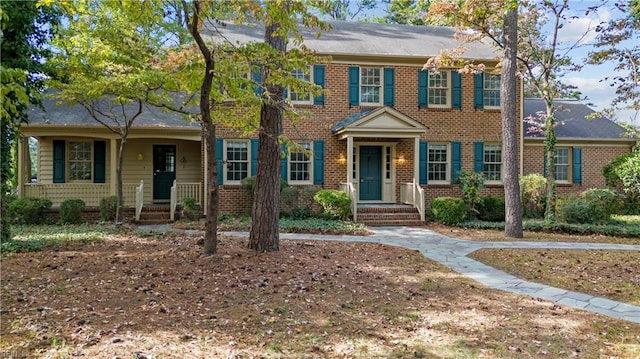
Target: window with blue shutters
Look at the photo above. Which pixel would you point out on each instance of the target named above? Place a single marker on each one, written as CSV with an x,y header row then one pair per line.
x,y
371,86
237,161
438,163
567,165
442,89
300,165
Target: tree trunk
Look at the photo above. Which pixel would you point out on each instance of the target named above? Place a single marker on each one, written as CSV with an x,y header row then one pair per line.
x,y
508,89
550,149
264,234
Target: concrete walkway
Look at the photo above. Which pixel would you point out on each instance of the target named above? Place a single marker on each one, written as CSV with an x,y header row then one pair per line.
x,y
453,253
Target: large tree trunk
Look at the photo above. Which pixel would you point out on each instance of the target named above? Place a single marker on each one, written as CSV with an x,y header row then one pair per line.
x,y
264,234
550,151
508,89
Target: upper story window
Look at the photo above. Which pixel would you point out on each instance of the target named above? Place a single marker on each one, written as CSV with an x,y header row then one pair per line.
x,y
370,86
439,93
438,163
301,97
492,166
300,164
236,157
491,90
562,161
80,160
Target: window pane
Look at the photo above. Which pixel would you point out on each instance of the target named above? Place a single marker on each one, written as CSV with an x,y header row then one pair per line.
x,y
80,161
237,160
437,165
300,162
491,90
492,162
370,81
300,96
561,160
438,88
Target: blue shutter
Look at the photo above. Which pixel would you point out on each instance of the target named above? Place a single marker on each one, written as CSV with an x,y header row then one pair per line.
x,y
283,163
478,91
254,156
354,86
318,79
389,86
456,160
478,156
456,89
58,161
219,157
423,88
577,165
423,161
99,156
318,162
256,77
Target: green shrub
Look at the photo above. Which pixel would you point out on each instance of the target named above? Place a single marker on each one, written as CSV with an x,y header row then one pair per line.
x,y
288,200
335,204
190,209
29,210
606,198
108,206
623,175
448,210
249,182
471,183
578,209
532,190
71,211
491,209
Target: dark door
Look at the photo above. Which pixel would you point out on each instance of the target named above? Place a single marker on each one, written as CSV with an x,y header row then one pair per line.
x,y
164,171
370,173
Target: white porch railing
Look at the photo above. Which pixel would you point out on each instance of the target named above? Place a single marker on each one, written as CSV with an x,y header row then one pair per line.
x,y
350,189
413,194
139,199
90,193
174,201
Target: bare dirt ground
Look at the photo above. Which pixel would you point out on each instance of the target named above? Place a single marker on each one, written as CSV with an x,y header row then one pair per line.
x,y
132,297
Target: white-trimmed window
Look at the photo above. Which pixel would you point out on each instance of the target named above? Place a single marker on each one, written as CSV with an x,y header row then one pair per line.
x,y
491,90
438,163
301,97
439,89
492,167
300,165
236,159
561,161
371,85
80,160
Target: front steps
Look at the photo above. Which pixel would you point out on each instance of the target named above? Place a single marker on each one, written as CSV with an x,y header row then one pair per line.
x,y
388,215
155,214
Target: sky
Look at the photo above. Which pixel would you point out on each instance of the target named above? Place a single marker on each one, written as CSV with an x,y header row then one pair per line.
x,y
596,92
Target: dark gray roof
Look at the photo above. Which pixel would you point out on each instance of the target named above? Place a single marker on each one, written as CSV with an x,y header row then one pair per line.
x,y
76,115
371,39
351,119
572,120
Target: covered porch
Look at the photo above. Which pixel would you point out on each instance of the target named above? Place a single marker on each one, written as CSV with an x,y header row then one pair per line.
x,y
382,158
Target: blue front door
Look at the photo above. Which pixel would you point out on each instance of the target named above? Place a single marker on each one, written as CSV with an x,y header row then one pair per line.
x,y
370,173
164,171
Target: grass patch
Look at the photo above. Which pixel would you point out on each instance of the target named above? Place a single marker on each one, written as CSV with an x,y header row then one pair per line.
x,y
287,225
35,238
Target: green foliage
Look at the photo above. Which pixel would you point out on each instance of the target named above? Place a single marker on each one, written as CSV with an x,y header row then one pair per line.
x,y
34,238
532,190
297,202
189,208
491,209
618,228
308,225
448,210
108,207
623,174
609,200
71,211
471,183
29,210
335,204
578,209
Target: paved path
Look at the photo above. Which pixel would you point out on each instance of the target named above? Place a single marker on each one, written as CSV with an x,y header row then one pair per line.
x,y
453,252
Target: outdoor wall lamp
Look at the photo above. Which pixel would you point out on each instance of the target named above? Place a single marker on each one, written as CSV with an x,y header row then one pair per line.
x,y
140,156
342,159
400,160
183,160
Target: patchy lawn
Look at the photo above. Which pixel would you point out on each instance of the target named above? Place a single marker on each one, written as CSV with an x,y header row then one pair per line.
x,y
134,297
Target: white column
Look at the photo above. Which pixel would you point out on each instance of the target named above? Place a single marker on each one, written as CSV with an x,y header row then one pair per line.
x,y
349,159
416,160
113,160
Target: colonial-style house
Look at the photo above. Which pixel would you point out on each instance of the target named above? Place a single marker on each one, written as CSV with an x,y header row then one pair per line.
x,y
385,131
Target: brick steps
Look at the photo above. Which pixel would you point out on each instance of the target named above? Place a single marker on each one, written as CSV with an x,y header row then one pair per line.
x,y
155,214
389,216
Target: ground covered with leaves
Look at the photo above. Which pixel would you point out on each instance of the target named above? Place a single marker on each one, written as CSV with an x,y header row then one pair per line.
x,y
158,297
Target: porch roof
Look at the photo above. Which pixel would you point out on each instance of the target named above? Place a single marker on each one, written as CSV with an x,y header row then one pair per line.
x,y
379,122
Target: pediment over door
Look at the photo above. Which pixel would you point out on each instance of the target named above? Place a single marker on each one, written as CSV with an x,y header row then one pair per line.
x,y
377,123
